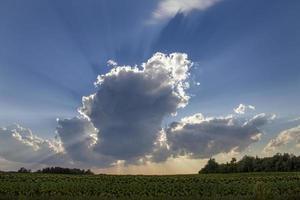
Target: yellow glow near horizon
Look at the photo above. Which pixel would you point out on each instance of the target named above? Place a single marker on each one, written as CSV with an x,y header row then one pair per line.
x,y
172,166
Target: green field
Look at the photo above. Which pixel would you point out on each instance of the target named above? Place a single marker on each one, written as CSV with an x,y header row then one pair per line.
x,y
205,186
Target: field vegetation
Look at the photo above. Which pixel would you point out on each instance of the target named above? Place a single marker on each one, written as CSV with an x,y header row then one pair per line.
x,y
212,183
284,185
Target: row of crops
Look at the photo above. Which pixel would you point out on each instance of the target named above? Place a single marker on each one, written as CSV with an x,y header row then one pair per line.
x,y
204,186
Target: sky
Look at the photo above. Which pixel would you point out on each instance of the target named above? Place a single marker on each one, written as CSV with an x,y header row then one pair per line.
x,y
147,87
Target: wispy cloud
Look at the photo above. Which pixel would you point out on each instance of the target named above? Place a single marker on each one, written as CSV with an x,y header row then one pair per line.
x,y
168,8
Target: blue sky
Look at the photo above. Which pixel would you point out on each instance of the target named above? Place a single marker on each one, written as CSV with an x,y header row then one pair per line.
x,y
244,52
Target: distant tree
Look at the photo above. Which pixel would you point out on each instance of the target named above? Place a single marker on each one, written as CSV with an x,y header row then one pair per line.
x,y
211,166
233,165
233,161
24,170
89,172
246,164
60,170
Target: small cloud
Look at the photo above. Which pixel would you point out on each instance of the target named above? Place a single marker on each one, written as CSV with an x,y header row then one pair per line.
x,y
294,120
241,109
112,63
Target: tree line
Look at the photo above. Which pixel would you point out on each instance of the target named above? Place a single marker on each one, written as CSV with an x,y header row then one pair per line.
x,y
57,170
277,163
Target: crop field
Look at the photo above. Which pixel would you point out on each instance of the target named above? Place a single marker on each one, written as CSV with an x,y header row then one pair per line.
x,y
204,186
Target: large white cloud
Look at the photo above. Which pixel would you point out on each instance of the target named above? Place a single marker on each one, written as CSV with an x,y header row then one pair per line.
x,y
126,112
285,137
168,8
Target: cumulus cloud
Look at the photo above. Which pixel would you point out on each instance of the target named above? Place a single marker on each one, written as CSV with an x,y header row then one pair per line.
x,y
168,8
285,137
242,109
126,112
202,137
21,145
